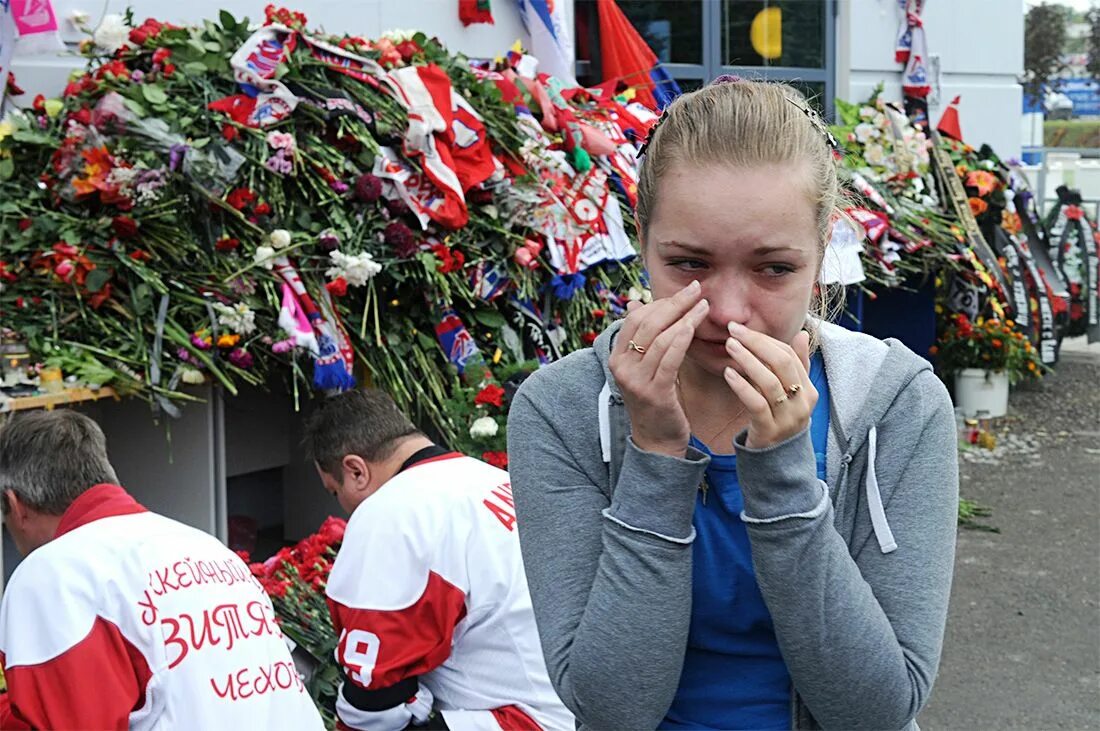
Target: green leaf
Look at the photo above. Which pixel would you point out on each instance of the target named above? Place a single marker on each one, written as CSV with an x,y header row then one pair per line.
x,y
96,279
194,68
196,44
143,299
7,168
135,106
213,46
227,20
426,342
489,318
281,70
154,94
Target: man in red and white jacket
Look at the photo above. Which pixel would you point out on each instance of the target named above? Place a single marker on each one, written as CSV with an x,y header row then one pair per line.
x,y
119,618
428,592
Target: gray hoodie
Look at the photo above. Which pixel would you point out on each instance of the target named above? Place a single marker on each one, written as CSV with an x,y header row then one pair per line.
x,y
856,573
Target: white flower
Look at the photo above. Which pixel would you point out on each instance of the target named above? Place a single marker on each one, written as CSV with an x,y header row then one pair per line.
x,y
866,112
357,269
865,133
987,164
264,256
875,154
640,295
192,376
881,121
279,238
484,428
238,318
112,33
397,35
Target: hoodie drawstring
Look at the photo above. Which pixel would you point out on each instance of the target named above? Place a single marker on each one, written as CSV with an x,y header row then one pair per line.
x,y
605,422
883,533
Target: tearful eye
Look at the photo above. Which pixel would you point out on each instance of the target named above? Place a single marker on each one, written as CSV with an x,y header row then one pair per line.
x,y
687,264
778,270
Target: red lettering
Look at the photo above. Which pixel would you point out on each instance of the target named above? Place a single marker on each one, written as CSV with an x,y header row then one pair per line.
x,y
242,684
164,583
229,689
149,612
206,635
505,498
265,674
175,639
180,576
507,519
290,676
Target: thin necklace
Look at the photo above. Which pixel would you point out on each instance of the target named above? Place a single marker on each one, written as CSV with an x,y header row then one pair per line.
x,y
704,486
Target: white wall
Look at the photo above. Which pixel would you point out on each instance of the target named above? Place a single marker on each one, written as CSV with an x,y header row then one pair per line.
x,y
980,44
369,18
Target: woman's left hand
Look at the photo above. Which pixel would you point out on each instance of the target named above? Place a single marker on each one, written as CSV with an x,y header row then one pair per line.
x,y
775,388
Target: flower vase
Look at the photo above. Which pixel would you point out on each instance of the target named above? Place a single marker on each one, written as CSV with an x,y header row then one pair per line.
x,y
981,393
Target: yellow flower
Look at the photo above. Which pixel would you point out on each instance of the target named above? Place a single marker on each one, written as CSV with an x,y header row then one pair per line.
x,y
53,107
228,341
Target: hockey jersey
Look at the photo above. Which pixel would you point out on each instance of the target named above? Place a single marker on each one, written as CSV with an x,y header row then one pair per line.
x,y
128,619
429,583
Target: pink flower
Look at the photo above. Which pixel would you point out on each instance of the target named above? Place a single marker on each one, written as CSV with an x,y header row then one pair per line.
x,y
240,358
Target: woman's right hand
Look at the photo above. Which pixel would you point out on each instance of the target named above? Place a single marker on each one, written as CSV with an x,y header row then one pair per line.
x,y
663,330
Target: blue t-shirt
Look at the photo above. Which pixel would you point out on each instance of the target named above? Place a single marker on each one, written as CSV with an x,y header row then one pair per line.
x,y
734,676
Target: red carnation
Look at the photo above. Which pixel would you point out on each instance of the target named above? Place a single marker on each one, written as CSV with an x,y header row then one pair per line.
x,y
125,227
496,459
39,103
589,337
140,255
83,116
337,287
161,55
169,69
491,395
229,132
225,243
240,198
408,49
262,210
368,188
25,223
1074,213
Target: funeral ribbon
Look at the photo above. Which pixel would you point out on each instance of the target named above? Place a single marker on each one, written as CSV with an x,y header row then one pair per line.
x,y
957,197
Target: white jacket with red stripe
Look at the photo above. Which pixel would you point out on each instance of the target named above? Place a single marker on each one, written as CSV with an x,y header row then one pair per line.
x,y
429,583
128,619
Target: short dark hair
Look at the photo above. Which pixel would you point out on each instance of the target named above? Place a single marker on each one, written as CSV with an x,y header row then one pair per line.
x,y
49,458
364,421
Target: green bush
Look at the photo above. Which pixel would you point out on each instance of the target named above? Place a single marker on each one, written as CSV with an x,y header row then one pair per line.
x,y
1072,133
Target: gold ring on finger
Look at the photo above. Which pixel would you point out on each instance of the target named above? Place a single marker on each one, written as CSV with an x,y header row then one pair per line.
x,y
781,399
636,348
793,390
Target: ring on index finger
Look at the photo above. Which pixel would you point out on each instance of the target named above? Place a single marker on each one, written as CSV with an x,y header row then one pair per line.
x,y
640,349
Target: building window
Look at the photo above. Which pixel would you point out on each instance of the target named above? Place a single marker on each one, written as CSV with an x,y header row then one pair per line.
x,y
696,40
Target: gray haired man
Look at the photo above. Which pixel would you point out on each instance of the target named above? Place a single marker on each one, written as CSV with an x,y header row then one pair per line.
x,y
121,618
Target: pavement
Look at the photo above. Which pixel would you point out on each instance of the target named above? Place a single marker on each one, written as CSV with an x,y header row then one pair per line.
x,y
1023,634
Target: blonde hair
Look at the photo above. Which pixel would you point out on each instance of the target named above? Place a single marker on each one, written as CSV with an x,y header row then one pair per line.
x,y
745,124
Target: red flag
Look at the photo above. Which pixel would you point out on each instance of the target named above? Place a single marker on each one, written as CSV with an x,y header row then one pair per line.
x,y
625,53
474,11
949,122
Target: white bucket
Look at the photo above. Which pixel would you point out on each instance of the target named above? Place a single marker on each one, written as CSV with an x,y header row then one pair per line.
x,y
981,393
